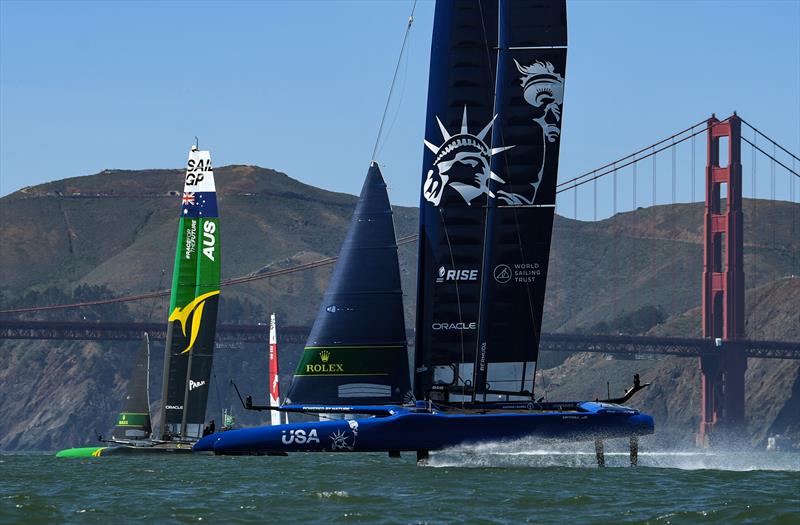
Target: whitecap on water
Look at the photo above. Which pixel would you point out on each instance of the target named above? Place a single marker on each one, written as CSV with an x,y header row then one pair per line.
x,y
326,494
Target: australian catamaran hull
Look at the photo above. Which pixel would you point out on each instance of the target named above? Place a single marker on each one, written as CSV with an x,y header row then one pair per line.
x,y
408,429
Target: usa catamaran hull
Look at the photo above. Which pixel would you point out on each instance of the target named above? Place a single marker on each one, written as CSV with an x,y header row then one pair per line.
x,y
414,430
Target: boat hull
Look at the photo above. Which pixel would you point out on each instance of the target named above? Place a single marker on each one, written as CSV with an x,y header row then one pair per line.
x,y
125,450
422,430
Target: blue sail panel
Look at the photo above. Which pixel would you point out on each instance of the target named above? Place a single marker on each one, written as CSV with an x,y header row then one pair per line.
x,y
357,351
455,175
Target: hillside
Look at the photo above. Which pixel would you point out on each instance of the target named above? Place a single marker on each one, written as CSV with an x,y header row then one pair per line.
x,y
115,232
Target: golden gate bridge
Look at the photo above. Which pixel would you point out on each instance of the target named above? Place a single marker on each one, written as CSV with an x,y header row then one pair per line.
x,y
723,349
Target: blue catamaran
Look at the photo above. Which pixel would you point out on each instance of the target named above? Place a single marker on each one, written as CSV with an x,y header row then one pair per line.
x,y
495,100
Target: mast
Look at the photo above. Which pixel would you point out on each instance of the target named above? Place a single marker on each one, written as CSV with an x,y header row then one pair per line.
x,y
529,95
274,378
193,304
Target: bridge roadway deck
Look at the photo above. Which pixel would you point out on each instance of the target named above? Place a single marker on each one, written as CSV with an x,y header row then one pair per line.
x,y
228,333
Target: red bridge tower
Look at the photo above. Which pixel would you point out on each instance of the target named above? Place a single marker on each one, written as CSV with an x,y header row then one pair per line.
x,y
722,411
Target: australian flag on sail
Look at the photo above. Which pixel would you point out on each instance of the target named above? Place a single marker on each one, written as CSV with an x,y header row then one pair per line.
x,y
199,204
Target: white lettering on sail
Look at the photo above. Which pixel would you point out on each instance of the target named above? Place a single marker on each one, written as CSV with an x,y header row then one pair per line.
x,y
209,240
191,239
454,326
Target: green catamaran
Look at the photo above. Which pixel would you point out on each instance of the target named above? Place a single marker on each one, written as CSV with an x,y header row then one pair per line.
x,y
192,325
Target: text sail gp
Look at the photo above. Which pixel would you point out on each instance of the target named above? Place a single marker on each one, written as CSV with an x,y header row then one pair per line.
x,y
193,305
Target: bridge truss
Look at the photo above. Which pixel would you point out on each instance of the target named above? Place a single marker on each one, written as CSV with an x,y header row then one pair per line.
x,y
630,345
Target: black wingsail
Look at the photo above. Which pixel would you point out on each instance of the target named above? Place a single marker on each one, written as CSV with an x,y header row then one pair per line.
x,y
357,352
455,175
488,193
529,100
133,422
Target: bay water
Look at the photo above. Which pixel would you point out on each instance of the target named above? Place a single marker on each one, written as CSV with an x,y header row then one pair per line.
x,y
486,484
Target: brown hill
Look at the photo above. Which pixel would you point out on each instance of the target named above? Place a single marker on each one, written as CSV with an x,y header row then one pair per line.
x,y
117,229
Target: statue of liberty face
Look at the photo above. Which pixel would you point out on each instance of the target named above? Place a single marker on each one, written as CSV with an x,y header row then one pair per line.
x,y
462,162
465,163
544,90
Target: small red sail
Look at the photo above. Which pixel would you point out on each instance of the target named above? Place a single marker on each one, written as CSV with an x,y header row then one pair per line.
x,y
274,379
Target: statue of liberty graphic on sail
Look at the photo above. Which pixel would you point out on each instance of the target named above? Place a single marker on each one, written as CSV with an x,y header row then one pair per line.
x,y
543,89
463,161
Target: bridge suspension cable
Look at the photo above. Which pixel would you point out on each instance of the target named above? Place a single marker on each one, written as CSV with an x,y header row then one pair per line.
x,y
572,184
769,139
614,166
772,158
634,154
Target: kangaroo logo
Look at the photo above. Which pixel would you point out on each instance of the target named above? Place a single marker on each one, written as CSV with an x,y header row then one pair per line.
x,y
182,316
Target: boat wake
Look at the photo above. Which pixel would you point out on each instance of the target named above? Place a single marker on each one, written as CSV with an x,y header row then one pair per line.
x,y
526,454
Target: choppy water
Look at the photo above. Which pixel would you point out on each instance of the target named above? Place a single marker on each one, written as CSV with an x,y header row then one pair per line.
x,y
490,484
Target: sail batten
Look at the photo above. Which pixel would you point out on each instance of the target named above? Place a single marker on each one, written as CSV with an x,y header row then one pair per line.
x,y
357,350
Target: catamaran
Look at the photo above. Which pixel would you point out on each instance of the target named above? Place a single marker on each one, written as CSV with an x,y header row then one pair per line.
x,y
190,333
492,136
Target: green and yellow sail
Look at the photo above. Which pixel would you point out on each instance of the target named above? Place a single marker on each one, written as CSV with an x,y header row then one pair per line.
x,y
193,304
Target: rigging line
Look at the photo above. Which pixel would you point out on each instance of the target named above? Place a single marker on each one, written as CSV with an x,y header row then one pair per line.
x,y
399,102
781,164
394,79
673,136
769,139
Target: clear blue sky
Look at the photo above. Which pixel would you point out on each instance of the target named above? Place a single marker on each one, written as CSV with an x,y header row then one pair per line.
x,y
300,86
